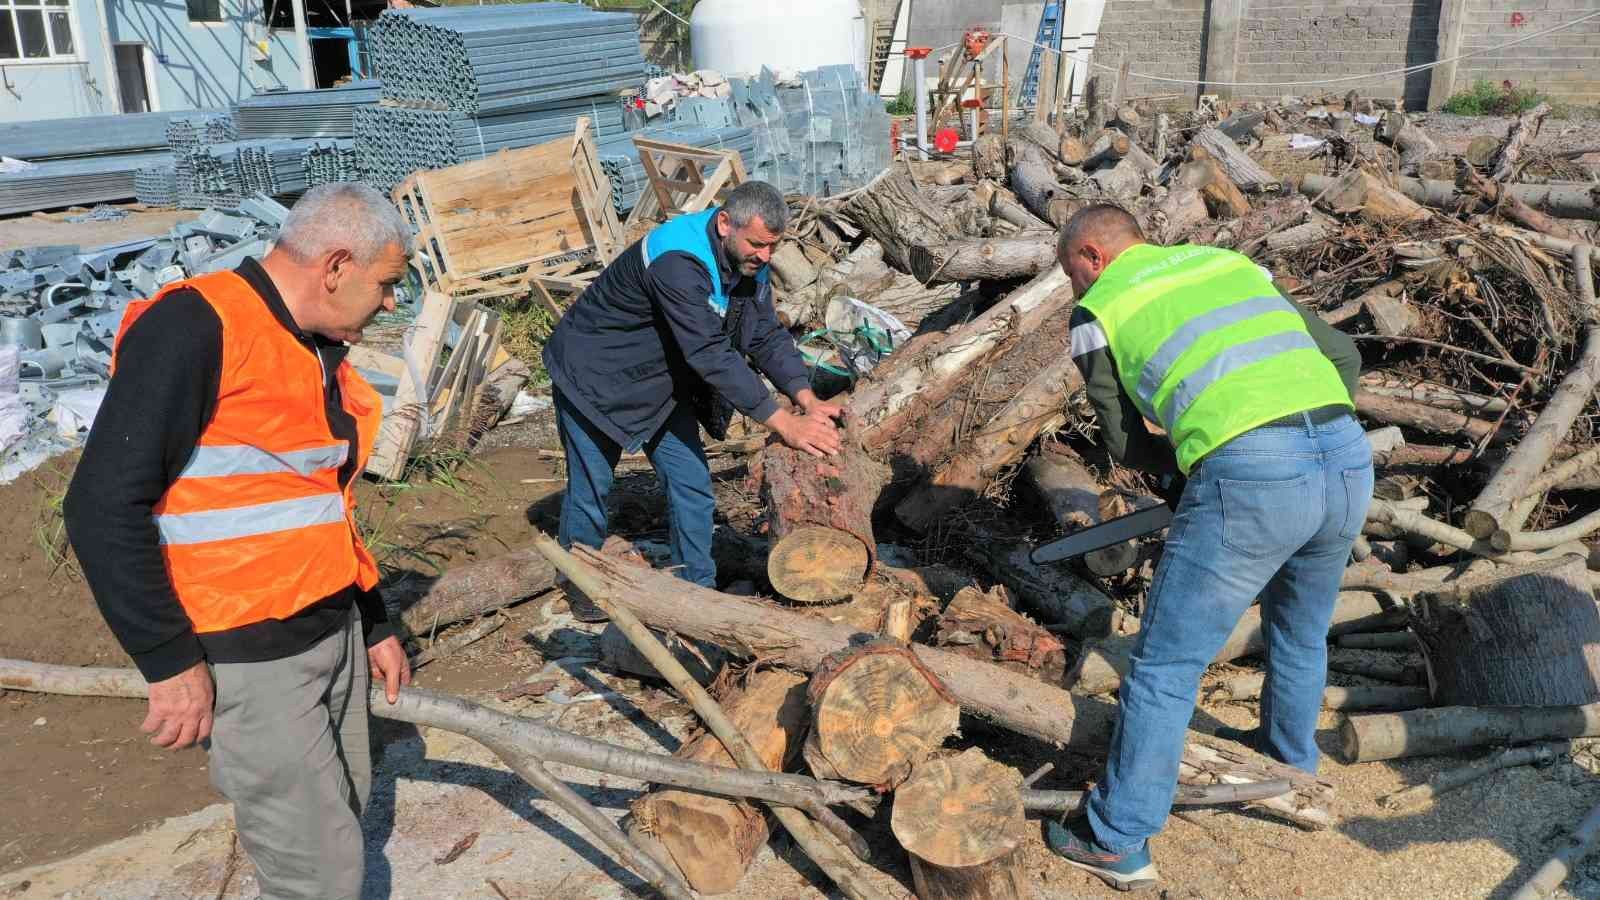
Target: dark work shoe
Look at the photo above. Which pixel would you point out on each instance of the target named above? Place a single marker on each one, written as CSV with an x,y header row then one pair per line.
x,y
1250,737
583,609
1075,843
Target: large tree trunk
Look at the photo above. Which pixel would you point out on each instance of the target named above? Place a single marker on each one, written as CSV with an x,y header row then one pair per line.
x,y
1034,182
1564,201
1531,639
880,407
877,711
961,819
1448,729
819,512
1182,211
976,259
713,839
982,625
1077,501
472,589
895,212
1209,143
1039,405
1017,702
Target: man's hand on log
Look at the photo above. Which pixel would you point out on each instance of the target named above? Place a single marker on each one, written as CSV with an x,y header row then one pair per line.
x,y
810,404
390,666
812,433
180,708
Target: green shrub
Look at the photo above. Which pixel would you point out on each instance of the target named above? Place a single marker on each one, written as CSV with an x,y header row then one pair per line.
x,y
1485,98
903,105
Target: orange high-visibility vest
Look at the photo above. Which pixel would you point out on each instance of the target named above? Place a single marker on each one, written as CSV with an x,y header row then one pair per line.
x,y
256,526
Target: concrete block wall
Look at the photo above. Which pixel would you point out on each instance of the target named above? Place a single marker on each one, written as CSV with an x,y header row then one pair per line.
x,y
1160,37
1564,65
1283,41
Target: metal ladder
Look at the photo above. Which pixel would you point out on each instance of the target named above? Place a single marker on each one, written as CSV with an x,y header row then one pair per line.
x,y
1049,36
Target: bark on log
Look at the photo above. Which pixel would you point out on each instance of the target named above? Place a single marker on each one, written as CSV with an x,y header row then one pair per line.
x,y
978,259
1518,136
1036,407
1107,150
960,817
1571,852
1386,306
1491,511
1366,696
1077,501
1439,395
983,626
1411,414
1414,144
702,659
1528,637
989,158
880,407
894,211
819,515
1068,803
1451,779
1448,729
1003,206
1034,182
877,711
1359,191
469,590
1383,640
1072,151
1244,171
791,268
1496,197
1179,213
1222,196
1381,666
1021,704
713,840
1053,593
1562,201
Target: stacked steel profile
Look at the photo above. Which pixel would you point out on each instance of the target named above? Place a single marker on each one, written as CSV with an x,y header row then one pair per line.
x,y
78,161
324,113
460,83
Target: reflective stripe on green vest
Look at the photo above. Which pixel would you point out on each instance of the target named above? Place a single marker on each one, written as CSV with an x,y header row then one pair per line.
x,y
1205,345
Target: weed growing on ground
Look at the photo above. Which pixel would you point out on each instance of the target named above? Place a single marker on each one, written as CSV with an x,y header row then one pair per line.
x,y
50,526
1486,98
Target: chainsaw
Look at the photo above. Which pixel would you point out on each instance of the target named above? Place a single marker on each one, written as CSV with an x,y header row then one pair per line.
x,y
1114,531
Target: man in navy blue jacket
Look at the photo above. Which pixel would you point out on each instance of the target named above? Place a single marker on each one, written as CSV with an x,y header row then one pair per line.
x,y
643,356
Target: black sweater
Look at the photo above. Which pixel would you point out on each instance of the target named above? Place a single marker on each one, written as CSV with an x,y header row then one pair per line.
x,y
169,369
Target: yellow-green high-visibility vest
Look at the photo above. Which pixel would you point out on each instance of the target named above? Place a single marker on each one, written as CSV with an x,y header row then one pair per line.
x,y
1205,345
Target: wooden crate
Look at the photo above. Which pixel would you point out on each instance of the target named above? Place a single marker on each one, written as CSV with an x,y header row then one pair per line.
x,y
683,179
485,228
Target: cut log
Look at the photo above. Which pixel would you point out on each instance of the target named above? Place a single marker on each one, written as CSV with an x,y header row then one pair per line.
x,y
819,516
1411,414
989,158
1054,593
1366,696
1391,315
1034,182
1121,182
1163,129
898,622
1209,143
1439,395
791,268
877,711
1107,150
1496,197
1528,637
1490,515
702,659
977,259
1562,201
1359,191
1413,144
881,407
1223,197
1248,233
1380,666
1450,779
469,590
1383,640
1037,407
1077,501
1518,137
1072,151
1179,213
1449,729
713,839
1580,843
983,625
960,817
1022,704
1003,206
893,210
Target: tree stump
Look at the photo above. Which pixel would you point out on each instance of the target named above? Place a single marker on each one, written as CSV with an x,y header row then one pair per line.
x,y
713,839
876,712
960,819
819,512
983,625
1531,639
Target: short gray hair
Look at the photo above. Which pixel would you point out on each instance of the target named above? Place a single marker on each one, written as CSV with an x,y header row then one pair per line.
x,y
343,216
757,198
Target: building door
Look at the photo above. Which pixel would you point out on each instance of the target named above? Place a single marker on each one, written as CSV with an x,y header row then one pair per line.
x,y
132,78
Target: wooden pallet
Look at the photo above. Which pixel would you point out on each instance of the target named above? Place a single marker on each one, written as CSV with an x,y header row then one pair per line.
x,y
683,179
486,228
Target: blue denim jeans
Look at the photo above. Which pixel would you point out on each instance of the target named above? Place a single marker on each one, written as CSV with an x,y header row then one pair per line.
x,y
680,463
1271,514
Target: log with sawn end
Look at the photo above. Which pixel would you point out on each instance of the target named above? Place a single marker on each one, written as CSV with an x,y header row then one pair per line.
x,y
960,817
978,259
819,513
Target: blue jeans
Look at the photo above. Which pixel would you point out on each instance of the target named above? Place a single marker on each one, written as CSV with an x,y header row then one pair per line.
x,y
1272,513
685,477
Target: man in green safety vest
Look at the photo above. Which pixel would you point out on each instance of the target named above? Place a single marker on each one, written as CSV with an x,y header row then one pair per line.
x,y
1253,396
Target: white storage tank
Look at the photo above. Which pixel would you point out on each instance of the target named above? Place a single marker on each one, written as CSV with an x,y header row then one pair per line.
x,y
738,37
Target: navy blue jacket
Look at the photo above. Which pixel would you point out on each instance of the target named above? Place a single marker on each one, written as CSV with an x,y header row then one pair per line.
x,y
648,334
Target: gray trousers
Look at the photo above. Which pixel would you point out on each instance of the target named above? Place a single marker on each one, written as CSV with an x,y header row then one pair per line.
x,y
289,748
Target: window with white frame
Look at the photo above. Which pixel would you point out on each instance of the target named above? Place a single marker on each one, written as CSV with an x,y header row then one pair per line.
x,y
36,30
205,11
